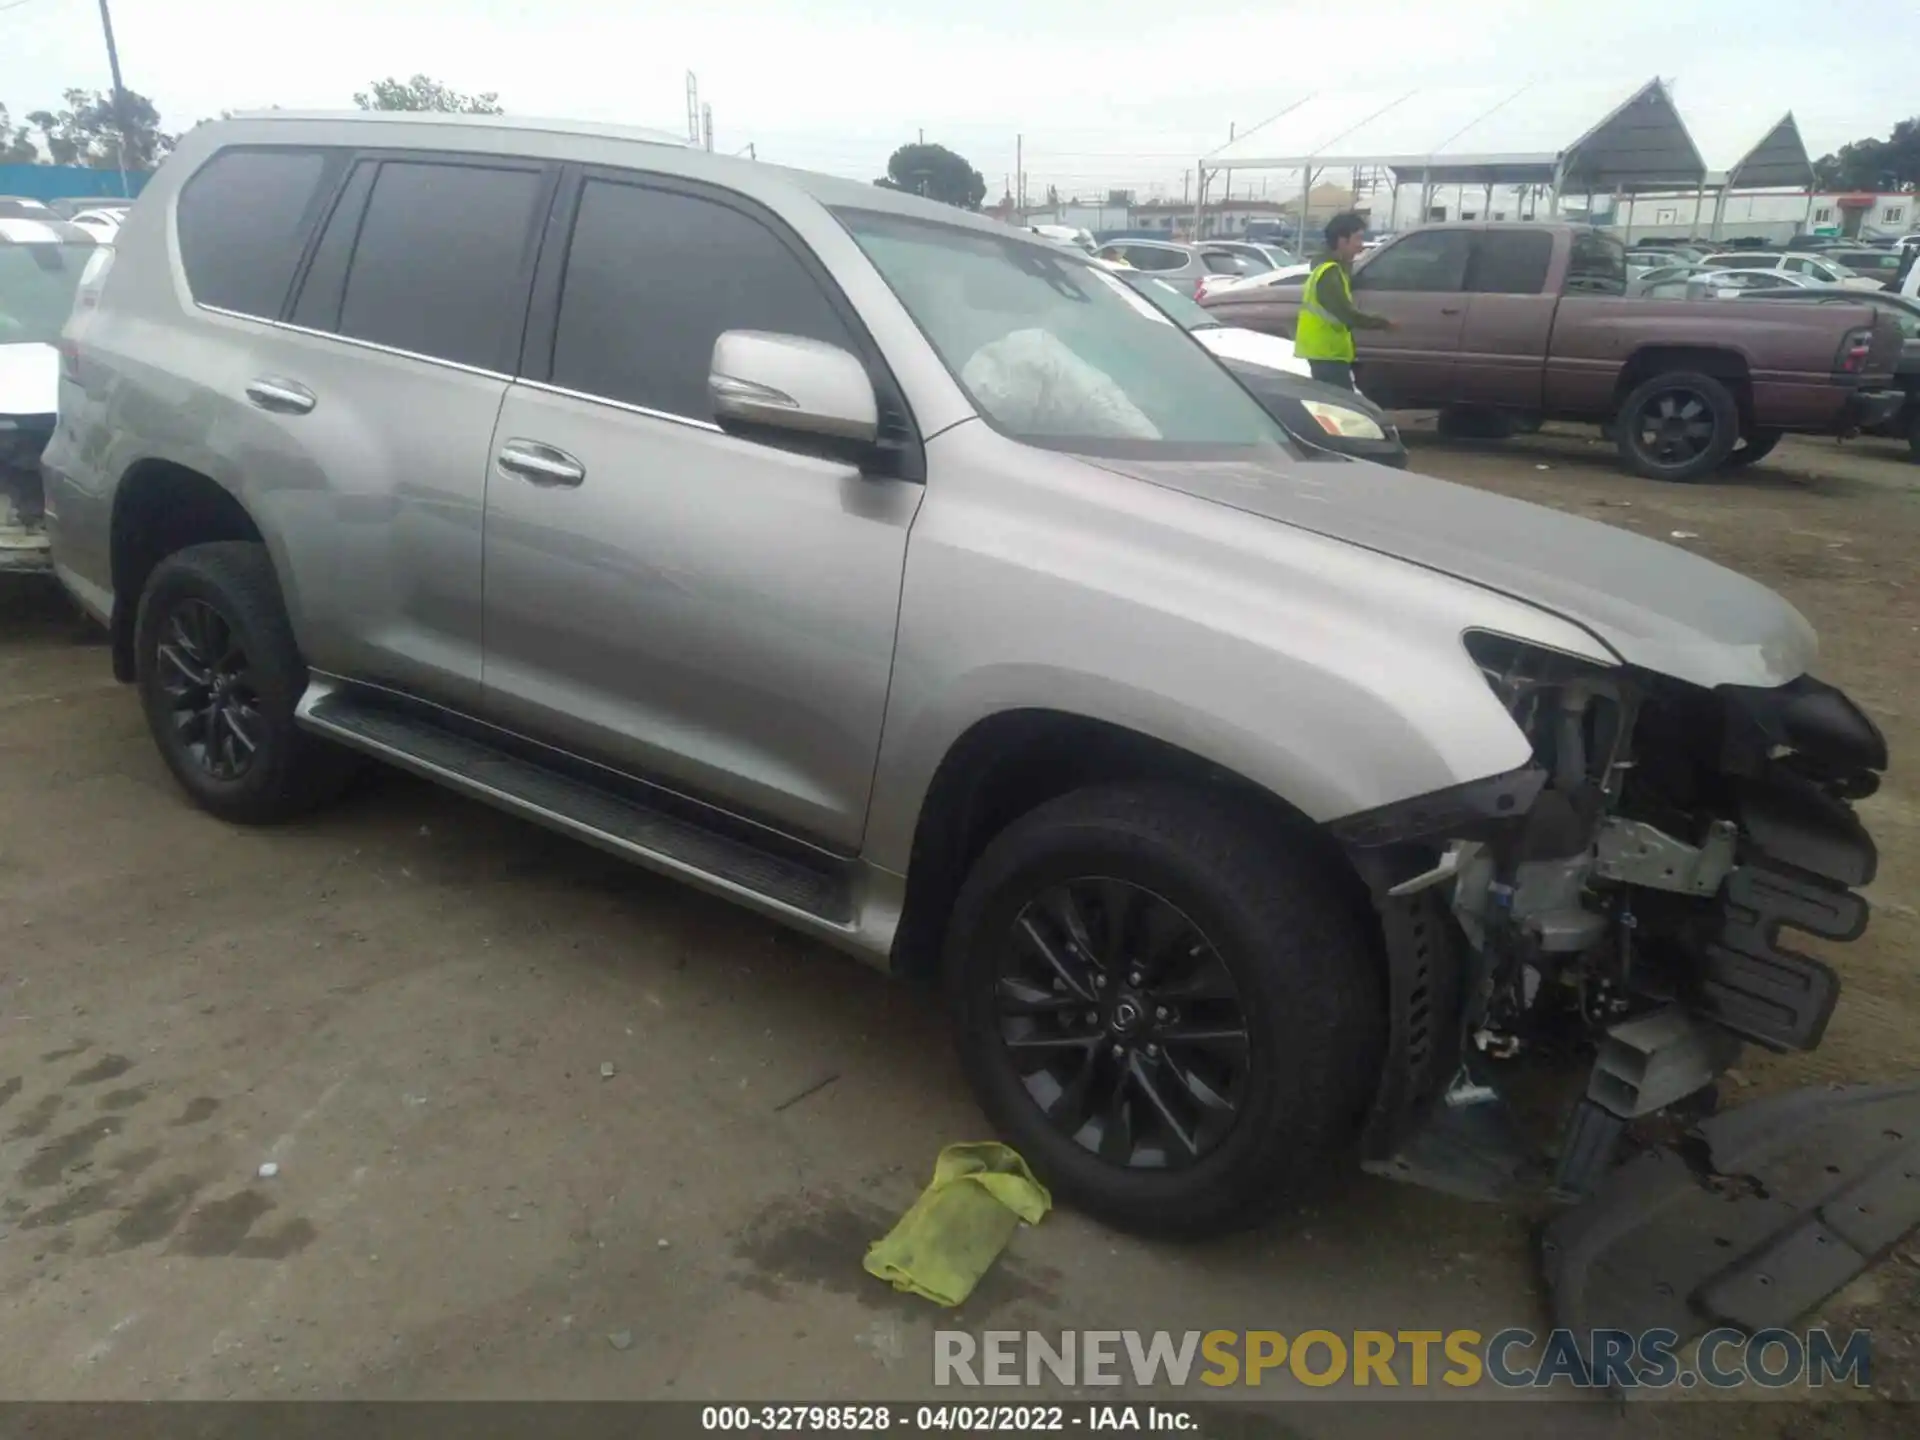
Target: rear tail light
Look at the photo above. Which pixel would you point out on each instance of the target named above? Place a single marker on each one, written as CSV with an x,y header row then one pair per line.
x,y
70,360
1854,351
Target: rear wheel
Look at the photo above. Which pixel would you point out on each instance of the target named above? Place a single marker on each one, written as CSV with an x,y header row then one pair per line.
x,y
1913,433
1171,1009
219,675
1678,426
1756,446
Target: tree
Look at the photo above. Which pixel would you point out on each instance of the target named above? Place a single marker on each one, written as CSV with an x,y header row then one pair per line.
x,y
87,132
422,93
16,142
1874,164
937,173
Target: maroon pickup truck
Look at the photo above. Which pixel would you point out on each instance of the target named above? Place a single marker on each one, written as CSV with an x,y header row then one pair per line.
x,y
1495,324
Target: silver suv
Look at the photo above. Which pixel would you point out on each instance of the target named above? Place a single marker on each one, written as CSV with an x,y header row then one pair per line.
x,y
916,584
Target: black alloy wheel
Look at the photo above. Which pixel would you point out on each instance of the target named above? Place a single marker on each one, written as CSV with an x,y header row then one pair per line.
x,y
220,677
1122,1023
208,681
1678,426
1675,427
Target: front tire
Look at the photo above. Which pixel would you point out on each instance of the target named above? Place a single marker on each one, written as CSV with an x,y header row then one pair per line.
x,y
1677,426
219,676
1172,1008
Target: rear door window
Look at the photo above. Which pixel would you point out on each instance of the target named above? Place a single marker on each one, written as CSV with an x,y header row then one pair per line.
x,y
244,219
1154,257
1510,262
1596,265
444,259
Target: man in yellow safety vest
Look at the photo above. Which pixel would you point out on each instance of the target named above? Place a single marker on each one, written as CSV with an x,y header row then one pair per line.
x,y
1323,336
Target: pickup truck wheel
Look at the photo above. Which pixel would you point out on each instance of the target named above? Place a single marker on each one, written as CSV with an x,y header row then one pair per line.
x,y
1678,426
1756,446
219,675
1170,1010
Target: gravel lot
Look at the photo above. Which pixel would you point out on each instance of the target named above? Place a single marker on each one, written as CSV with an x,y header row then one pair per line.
x,y
406,1005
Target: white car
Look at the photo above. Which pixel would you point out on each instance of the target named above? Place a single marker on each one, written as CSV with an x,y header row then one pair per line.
x,y
1812,269
42,264
105,224
1283,275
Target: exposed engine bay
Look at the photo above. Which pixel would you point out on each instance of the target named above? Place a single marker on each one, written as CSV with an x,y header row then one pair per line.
x,y
1613,914
1620,901
1639,903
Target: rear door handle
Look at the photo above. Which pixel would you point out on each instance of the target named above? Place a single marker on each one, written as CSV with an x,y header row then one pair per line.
x,y
284,397
540,464
1449,309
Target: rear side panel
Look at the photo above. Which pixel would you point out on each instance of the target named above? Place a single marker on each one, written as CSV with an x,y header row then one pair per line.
x,y
1790,351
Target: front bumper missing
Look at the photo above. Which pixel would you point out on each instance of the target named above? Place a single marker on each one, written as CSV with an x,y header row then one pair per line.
x,y
23,529
1755,1218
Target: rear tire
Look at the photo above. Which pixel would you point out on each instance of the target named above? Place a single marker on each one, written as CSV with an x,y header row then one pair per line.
x,y
1677,426
1913,433
1755,447
219,676
1268,921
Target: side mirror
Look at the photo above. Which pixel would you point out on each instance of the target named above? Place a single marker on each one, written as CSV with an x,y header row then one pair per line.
x,y
784,382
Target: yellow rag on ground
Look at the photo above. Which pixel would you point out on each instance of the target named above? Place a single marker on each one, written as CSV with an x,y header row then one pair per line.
x,y
962,1221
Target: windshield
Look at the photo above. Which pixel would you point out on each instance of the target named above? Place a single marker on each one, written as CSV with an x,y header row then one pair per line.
x,y
37,283
1057,351
1179,307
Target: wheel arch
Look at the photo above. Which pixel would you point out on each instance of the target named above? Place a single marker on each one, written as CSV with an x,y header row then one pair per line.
x,y
1008,763
1728,364
162,506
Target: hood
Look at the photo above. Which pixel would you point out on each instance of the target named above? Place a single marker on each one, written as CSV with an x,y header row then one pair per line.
x,y
1234,342
1654,605
29,380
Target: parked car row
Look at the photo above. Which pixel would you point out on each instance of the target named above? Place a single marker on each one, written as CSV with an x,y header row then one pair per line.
x,y
42,262
1521,322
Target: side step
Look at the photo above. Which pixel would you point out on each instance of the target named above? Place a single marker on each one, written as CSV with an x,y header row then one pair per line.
x,y
622,823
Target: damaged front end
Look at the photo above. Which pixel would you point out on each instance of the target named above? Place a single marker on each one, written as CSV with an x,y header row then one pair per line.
x,y
23,524
1612,916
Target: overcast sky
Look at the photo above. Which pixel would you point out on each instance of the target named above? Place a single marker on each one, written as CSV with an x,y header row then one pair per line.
x,y
1104,92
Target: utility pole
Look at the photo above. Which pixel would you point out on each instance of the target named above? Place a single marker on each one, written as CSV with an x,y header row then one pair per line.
x,y
1020,175
693,106
1233,129
119,97
706,125
923,134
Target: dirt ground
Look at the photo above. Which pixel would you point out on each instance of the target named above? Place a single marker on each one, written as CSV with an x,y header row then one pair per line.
x,y
406,1004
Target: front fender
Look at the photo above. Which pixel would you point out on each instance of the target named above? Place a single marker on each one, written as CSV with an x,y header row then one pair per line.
x,y
1331,676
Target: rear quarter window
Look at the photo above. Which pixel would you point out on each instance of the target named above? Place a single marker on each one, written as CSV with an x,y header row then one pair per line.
x,y
243,222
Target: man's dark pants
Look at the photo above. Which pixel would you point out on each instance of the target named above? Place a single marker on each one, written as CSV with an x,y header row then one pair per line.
x,y
1333,372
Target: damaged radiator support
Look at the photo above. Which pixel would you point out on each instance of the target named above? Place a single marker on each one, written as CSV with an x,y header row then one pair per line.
x,y
1644,1065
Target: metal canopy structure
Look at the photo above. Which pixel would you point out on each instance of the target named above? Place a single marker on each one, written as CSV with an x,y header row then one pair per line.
x,y
1569,135
1779,162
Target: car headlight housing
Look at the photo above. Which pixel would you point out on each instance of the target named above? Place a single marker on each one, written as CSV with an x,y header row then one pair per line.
x,y
1339,420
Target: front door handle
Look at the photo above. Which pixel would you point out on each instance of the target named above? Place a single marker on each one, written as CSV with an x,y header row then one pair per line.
x,y
1449,309
284,397
540,464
